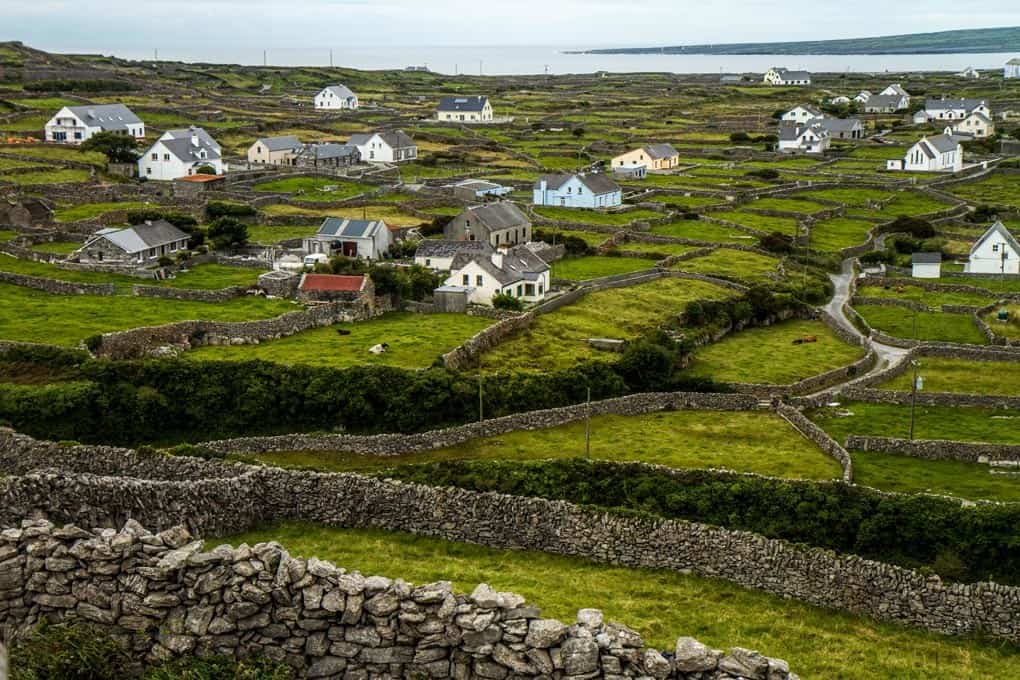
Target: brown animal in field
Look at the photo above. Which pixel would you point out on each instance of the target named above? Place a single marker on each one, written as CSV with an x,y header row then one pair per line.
x,y
805,339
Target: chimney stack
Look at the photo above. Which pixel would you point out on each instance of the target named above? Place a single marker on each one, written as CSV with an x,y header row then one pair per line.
x,y
194,136
497,257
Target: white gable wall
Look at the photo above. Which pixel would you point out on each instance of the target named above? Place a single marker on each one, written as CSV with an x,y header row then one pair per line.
x,y
987,257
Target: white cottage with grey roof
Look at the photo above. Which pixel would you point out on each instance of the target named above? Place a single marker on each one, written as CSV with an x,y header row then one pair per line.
x,y
1011,69
393,146
438,254
936,110
578,191
336,98
802,113
75,124
939,153
784,77
459,109
180,153
996,252
141,244
810,137
516,271
367,239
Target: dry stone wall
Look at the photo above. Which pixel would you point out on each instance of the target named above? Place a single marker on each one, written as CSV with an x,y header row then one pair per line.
x,y
934,449
57,287
165,596
193,294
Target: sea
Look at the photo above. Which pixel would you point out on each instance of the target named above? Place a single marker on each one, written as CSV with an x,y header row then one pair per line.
x,y
555,60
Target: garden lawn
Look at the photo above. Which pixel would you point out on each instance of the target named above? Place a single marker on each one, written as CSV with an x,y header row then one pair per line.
x,y
767,354
213,276
560,339
314,188
903,474
833,235
732,263
28,315
597,266
680,201
415,341
699,230
661,605
87,211
930,422
592,238
270,234
611,219
663,249
899,323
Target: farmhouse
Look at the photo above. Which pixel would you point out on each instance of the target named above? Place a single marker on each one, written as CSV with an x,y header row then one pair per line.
x,y
179,153
896,89
327,155
811,137
336,98
976,125
475,189
385,147
996,252
940,153
926,265
863,96
578,191
367,239
274,150
1011,69
497,224
438,254
141,244
335,288
781,76
969,72
802,114
464,109
950,109
886,103
842,128
75,124
516,271
652,157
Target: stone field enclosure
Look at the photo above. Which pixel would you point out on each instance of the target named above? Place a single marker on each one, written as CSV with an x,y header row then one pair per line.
x,y
698,454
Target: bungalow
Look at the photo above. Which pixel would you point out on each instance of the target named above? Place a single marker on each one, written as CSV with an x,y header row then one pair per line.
x,y
140,245
781,76
996,252
926,265
842,99
578,191
940,153
1011,69
802,114
652,156
336,97
863,96
896,89
976,124
842,128
274,150
475,189
950,109
385,147
327,155
464,109
336,288
516,271
179,153
75,124
367,239
438,254
811,137
886,103
497,224
969,72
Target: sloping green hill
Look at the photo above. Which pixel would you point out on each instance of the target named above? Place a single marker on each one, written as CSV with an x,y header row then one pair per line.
x,y
943,42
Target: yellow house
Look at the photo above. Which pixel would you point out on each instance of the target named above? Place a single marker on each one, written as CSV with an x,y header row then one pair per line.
x,y
653,157
274,150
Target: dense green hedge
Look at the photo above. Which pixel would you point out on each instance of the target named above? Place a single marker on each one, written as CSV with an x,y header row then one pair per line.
x,y
958,543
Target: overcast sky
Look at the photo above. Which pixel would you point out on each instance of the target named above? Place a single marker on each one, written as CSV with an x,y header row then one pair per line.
x,y
119,24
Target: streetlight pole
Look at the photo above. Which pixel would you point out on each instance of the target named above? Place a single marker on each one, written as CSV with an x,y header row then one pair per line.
x,y
913,397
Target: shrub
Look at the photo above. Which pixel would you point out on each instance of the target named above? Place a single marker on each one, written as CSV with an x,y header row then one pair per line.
x,y
216,209
508,302
647,366
164,261
764,173
740,137
776,242
574,245
914,226
205,170
982,214
68,652
98,85
117,148
226,232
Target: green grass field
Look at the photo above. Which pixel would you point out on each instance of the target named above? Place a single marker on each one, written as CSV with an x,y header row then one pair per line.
x,y
996,189
62,176
699,230
901,289
962,376
741,357
207,276
763,223
1011,327
597,266
316,188
899,323
732,263
833,235
660,605
560,339
930,422
793,205
747,442
270,234
28,315
415,340
57,247
611,219
904,474
87,211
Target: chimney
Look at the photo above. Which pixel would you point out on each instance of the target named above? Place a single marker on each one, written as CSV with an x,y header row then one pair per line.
x,y
497,257
194,135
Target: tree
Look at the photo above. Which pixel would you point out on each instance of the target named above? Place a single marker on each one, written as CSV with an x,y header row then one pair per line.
x,y
578,132
116,148
508,302
227,232
205,170
740,137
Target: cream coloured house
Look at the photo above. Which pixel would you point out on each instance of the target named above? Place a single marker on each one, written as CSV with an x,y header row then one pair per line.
x,y
274,150
652,157
976,124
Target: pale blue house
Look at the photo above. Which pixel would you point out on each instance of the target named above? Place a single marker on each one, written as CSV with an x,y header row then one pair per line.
x,y
578,191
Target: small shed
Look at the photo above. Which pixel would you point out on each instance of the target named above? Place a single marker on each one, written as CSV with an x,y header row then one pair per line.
x,y
926,265
630,172
452,299
191,186
333,288
280,283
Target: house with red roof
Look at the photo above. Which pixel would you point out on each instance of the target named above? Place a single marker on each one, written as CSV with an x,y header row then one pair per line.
x,y
336,288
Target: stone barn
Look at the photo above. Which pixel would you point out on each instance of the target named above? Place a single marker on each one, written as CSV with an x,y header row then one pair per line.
x,y
336,288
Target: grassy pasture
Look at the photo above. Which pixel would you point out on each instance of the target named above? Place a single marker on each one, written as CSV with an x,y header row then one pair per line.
x,y
937,326
597,266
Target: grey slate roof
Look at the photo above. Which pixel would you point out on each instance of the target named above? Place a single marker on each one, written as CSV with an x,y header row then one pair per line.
x,y
943,143
397,139
997,229
328,150
791,132
951,104
883,101
661,151
341,91
498,216
283,143
108,117
345,228
926,258
473,104
898,89
443,248
787,74
597,183
519,264
477,185
835,125
141,237
178,142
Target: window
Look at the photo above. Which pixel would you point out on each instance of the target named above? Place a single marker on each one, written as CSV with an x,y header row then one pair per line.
x,y
479,281
152,252
529,289
995,248
148,171
77,135
428,262
166,157
540,289
155,156
580,191
466,280
520,290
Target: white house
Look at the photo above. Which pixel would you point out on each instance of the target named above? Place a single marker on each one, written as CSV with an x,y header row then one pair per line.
x,y
336,98
438,254
896,90
810,137
802,114
180,153
841,128
926,265
1011,69
950,109
516,271
367,239
577,191
464,109
385,147
940,153
976,124
996,252
842,99
781,76
886,103
863,96
75,124
141,244
969,72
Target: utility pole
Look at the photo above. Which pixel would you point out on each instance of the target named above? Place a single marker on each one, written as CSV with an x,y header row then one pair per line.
x,y
913,396
587,426
155,54
264,61
331,57
479,67
481,415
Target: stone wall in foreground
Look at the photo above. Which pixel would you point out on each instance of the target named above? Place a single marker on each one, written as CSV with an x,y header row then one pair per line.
x,y
164,596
